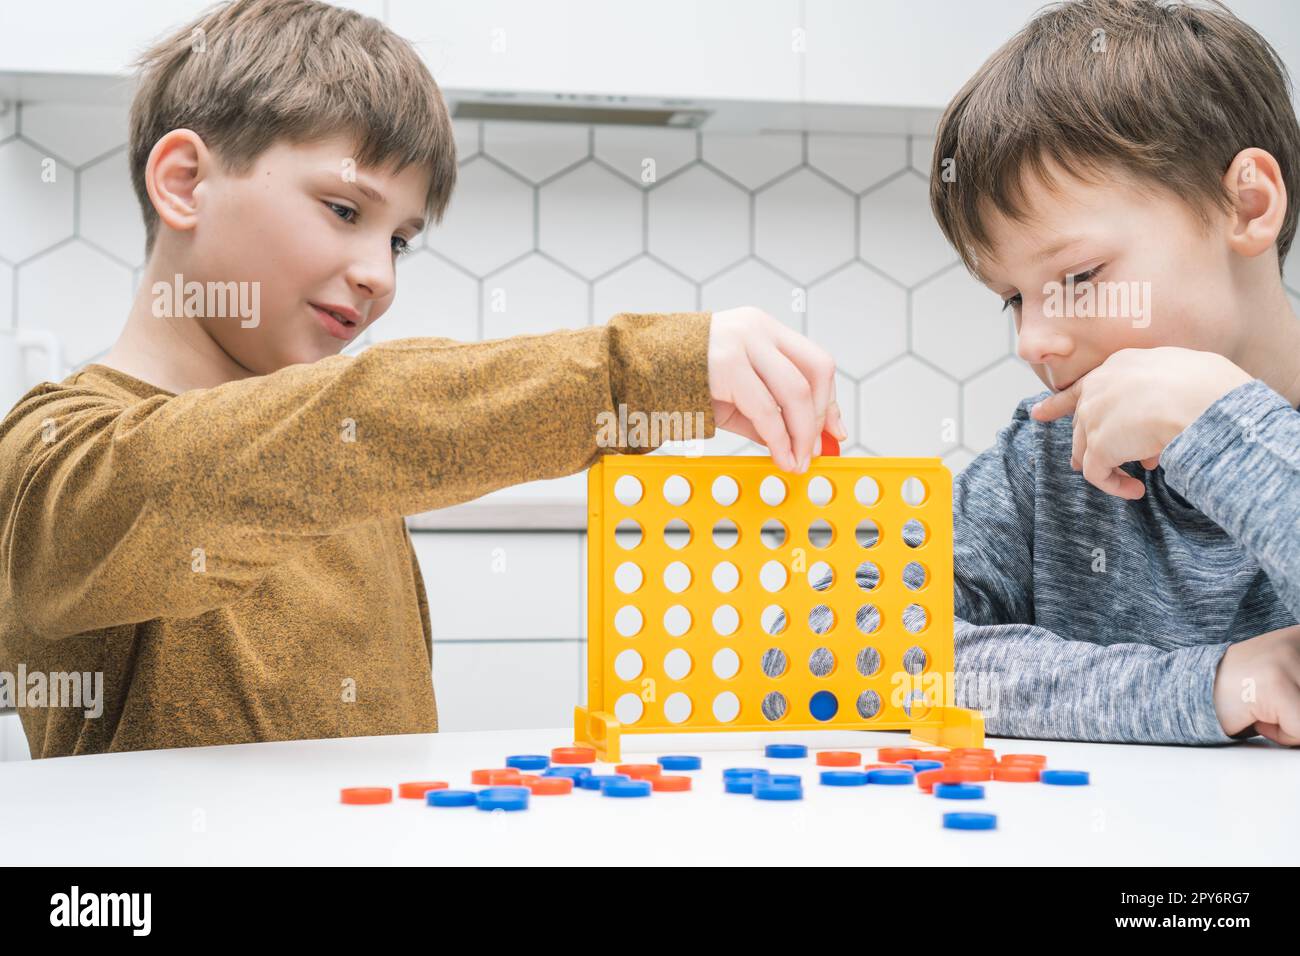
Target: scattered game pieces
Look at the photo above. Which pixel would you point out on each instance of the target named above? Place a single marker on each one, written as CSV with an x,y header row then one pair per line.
x,y
1065,778
573,755
919,765
970,821
576,774
778,787
363,795
1037,760
928,779
743,784
670,783
892,777
549,786
451,798
680,762
503,798
1011,773
843,778
786,751
896,754
982,752
416,790
838,758
625,788
639,771
484,777
594,781
733,772
959,791
528,762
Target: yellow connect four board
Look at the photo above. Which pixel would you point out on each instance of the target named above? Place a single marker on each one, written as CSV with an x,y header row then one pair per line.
x,y
725,595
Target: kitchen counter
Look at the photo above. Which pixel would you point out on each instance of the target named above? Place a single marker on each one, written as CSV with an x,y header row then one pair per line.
x,y
278,803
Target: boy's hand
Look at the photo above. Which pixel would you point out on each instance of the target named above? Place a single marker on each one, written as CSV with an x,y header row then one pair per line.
x,y
1259,683
772,385
1134,404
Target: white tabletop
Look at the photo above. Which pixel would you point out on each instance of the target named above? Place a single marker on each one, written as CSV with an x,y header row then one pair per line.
x,y
276,803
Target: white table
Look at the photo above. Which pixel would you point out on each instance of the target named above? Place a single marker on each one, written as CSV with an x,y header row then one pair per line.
x,y
279,803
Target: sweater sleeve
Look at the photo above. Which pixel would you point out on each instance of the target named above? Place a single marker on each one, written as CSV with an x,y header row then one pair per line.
x,y
1029,681
120,512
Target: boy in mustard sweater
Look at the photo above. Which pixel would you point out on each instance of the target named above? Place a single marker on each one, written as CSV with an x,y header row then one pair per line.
x,y
212,516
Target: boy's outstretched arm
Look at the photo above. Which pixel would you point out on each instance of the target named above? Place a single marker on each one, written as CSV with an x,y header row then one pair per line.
x,y
114,506
1029,681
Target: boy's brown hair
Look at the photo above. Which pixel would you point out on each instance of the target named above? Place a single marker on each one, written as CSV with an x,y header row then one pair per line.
x,y
1165,93
250,73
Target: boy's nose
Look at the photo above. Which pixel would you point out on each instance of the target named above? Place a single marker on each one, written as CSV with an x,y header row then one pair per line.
x,y
1040,339
373,279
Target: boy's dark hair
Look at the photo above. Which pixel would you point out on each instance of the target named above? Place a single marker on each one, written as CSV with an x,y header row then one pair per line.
x,y
1165,92
247,74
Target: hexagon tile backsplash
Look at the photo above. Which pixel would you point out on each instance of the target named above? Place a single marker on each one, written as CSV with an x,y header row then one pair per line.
x,y
562,226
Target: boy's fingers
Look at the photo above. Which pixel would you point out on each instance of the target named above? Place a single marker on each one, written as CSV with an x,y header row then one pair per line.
x,y
1056,406
817,367
760,407
793,393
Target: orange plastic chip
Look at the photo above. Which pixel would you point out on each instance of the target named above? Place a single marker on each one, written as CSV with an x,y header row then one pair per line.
x,y
503,775
1016,774
573,755
1033,760
973,751
416,789
672,783
830,444
838,758
640,771
366,795
926,779
895,754
549,786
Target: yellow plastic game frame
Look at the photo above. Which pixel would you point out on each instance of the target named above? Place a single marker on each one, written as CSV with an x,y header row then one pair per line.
x,y
917,697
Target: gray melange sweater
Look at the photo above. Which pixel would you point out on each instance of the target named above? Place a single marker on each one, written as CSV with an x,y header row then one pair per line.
x,y
1105,619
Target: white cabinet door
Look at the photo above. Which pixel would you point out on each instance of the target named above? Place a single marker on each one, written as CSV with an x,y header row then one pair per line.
x,y
506,685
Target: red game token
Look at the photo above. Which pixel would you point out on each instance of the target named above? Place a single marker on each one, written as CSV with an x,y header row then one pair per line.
x,y
983,752
895,754
926,779
838,758
830,444
1033,760
573,755
672,783
549,786
416,790
1016,774
640,771
504,775
366,795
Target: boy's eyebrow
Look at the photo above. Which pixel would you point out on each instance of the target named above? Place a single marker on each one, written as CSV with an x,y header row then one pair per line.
x,y
376,196
1057,248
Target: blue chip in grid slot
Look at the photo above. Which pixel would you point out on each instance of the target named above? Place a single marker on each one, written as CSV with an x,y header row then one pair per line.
x,y
920,765
594,781
786,751
451,798
625,788
889,775
528,762
680,762
503,798
1064,778
970,821
766,789
576,774
959,791
843,778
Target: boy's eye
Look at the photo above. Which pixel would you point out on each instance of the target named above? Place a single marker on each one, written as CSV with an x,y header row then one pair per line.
x,y
346,213
400,246
1078,277
1013,302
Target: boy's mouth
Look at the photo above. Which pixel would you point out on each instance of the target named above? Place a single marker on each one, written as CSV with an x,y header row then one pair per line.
x,y
338,321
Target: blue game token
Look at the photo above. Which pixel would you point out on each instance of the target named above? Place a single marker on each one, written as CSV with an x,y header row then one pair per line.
x,y
920,765
594,781
970,821
576,774
528,762
626,788
766,789
784,779
959,791
743,784
891,776
1064,778
843,778
732,773
451,798
680,762
503,798
786,750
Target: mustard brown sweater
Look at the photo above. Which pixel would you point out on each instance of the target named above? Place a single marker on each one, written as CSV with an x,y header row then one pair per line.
x,y
234,560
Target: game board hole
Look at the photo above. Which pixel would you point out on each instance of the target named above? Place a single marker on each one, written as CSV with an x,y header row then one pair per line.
x,y
726,707
628,621
627,534
628,490
772,490
915,619
867,533
677,534
677,620
773,576
628,577
823,705
726,663
821,662
867,491
914,705
773,706
867,576
677,577
821,576
628,665
774,662
725,620
820,490
914,658
677,490
677,708
868,662
772,534
867,619
628,709
725,534
725,490
820,533
821,619
725,576
915,576
677,664
914,491
914,533
772,620
868,704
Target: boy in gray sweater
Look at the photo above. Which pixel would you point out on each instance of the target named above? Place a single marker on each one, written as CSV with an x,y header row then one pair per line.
x,y
1128,553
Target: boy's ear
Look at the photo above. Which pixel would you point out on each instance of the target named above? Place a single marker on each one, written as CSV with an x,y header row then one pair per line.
x,y
1254,180
177,164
